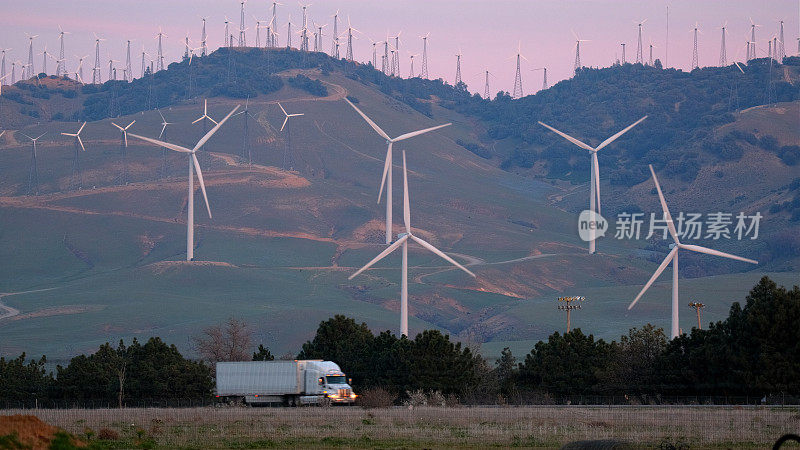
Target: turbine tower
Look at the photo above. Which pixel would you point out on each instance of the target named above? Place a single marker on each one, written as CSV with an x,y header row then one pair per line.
x,y
594,174
623,53
79,69
673,257
411,70
33,175
76,181
242,40
96,69
578,52
751,49
61,67
544,81
639,58
403,241
194,164
335,43
160,60
31,70
651,53
486,87
518,78
227,39
387,165
203,39
782,48
274,24
128,67
396,59
3,62
458,68
723,52
424,73
695,61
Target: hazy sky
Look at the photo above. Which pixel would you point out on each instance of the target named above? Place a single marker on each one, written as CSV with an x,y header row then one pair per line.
x,y
487,32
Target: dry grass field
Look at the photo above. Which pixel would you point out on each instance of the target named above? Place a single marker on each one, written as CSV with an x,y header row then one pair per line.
x,y
425,427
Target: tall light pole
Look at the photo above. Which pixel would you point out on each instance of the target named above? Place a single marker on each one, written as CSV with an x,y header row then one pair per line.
x,y
566,305
697,307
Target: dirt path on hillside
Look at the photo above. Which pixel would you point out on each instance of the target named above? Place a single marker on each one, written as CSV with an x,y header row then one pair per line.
x,y
6,311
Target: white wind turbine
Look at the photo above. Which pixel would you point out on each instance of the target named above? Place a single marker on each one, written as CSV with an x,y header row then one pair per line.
x,y
77,179
124,150
594,175
403,241
288,148
79,69
386,178
193,165
673,257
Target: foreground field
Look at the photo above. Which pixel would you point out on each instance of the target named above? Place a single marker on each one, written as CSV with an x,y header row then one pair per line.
x,y
539,426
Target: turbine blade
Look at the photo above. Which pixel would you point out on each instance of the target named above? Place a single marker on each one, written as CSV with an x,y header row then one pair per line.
x,y
202,184
387,166
120,128
614,137
711,251
81,142
380,256
369,121
214,130
175,147
667,215
418,132
286,119
567,137
653,278
441,254
81,128
198,120
406,206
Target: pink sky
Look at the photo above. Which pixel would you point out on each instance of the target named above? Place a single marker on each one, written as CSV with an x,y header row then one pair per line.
x,y
487,32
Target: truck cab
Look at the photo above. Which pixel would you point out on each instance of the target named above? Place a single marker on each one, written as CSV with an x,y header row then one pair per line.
x,y
331,382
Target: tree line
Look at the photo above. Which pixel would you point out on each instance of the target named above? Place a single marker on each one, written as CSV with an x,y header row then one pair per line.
x,y
754,352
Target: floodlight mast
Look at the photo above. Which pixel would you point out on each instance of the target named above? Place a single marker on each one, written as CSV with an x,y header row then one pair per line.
x,y
566,304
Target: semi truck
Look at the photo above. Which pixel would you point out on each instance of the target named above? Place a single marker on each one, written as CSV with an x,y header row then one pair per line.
x,y
292,383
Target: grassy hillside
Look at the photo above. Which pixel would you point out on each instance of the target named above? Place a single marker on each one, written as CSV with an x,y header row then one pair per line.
x,y
105,262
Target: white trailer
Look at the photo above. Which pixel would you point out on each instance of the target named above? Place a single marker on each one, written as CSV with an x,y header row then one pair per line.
x,y
292,383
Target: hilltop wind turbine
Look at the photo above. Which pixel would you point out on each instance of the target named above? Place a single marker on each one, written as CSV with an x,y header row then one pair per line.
x,y
578,51
123,147
288,148
673,257
424,73
387,165
639,58
518,77
33,175
61,68
403,241
751,49
193,165
76,182
30,68
695,59
79,69
3,62
594,184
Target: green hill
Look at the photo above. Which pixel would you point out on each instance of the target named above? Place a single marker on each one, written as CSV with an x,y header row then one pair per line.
x,y
105,262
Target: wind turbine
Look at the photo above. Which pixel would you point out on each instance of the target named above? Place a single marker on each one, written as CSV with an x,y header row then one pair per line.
x,y
123,147
1,83
96,69
3,62
578,51
673,257
61,68
33,175
288,148
594,184
403,241
245,132
387,165
30,68
79,69
76,181
163,136
193,165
